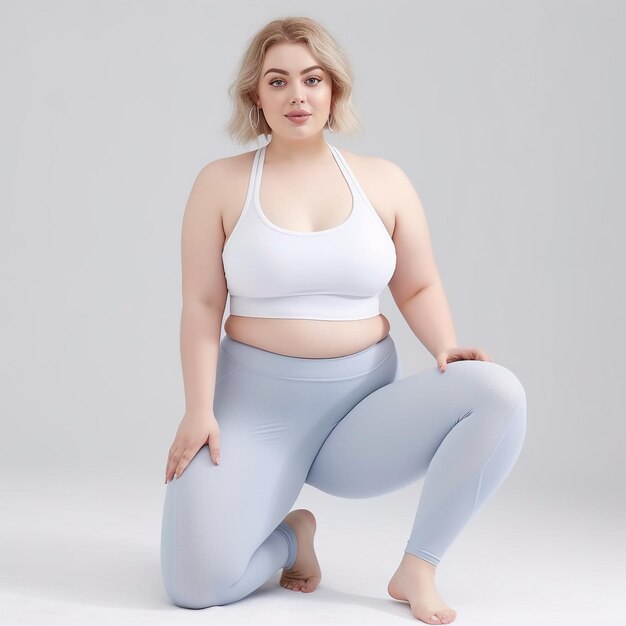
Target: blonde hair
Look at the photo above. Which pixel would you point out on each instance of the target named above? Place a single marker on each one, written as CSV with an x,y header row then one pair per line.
x,y
327,53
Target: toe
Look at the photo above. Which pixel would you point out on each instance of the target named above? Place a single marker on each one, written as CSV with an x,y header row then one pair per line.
x,y
447,617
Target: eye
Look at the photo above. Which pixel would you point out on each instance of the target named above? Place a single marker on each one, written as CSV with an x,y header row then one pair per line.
x,y
319,80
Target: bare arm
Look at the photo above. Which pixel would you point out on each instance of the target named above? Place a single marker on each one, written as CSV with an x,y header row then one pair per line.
x,y
204,300
200,330
204,289
428,315
416,285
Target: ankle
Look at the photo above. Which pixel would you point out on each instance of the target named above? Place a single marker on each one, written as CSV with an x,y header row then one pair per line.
x,y
416,564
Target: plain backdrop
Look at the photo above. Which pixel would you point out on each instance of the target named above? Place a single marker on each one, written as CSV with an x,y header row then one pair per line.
x,y
508,119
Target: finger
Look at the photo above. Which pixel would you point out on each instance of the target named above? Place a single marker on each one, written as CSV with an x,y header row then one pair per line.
x,y
214,446
172,464
485,356
167,469
184,461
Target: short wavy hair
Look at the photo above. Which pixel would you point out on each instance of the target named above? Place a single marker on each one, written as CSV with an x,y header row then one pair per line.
x,y
327,52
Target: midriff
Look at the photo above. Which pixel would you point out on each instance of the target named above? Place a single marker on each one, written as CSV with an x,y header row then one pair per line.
x,y
303,337
307,338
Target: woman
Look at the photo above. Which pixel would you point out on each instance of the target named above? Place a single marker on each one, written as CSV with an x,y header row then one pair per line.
x,y
305,385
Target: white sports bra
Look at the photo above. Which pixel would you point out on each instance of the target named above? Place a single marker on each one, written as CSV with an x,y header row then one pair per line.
x,y
332,274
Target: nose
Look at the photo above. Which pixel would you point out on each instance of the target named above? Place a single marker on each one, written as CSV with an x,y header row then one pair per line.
x,y
297,96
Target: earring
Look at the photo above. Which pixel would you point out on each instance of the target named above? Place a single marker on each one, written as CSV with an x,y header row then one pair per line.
x,y
330,128
257,116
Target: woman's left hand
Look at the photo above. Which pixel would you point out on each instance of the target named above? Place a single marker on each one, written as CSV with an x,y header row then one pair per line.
x,y
461,354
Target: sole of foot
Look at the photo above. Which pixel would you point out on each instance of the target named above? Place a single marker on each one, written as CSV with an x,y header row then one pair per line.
x,y
305,574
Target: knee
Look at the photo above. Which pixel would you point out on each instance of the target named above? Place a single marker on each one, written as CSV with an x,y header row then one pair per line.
x,y
510,388
509,393
497,384
198,568
199,593
498,381
505,384
189,600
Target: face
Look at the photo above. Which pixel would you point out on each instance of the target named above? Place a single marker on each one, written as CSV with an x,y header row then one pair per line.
x,y
280,92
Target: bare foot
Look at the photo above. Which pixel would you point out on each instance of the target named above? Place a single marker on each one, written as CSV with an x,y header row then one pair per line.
x,y
414,581
305,574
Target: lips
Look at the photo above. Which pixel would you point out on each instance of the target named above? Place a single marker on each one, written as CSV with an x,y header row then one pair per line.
x,y
298,114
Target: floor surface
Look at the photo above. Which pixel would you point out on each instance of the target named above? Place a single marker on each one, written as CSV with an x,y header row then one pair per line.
x,y
84,549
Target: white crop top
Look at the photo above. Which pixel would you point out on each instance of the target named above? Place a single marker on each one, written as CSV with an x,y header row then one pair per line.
x,y
332,274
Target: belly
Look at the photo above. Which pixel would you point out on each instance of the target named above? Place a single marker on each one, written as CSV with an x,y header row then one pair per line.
x,y
307,338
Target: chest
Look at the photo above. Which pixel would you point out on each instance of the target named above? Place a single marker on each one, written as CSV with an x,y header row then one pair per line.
x,y
318,201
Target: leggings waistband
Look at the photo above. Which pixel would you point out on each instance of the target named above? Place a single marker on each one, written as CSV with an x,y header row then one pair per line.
x,y
284,366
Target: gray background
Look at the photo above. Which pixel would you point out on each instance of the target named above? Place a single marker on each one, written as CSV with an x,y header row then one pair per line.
x,y
513,137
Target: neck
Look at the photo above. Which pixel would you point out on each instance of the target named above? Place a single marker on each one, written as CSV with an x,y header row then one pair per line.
x,y
282,149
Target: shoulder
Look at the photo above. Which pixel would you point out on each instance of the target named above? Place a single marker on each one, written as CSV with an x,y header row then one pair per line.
x,y
221,170
219,179
382,170
385,182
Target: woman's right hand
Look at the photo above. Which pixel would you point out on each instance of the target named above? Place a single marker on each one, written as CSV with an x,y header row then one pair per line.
x,y
194,431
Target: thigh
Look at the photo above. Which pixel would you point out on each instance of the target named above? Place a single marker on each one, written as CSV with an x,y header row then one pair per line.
x,y
390,437
216,516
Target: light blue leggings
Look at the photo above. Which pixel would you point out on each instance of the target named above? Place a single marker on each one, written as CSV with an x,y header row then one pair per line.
x,y
352,426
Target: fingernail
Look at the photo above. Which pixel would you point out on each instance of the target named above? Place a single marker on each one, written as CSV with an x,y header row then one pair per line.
x,y
217,460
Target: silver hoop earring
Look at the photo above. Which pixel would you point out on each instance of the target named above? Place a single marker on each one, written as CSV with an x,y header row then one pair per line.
x,y
330,128
257,116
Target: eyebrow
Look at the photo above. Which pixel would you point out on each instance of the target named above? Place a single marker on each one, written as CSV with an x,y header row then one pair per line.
x,y
286,73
